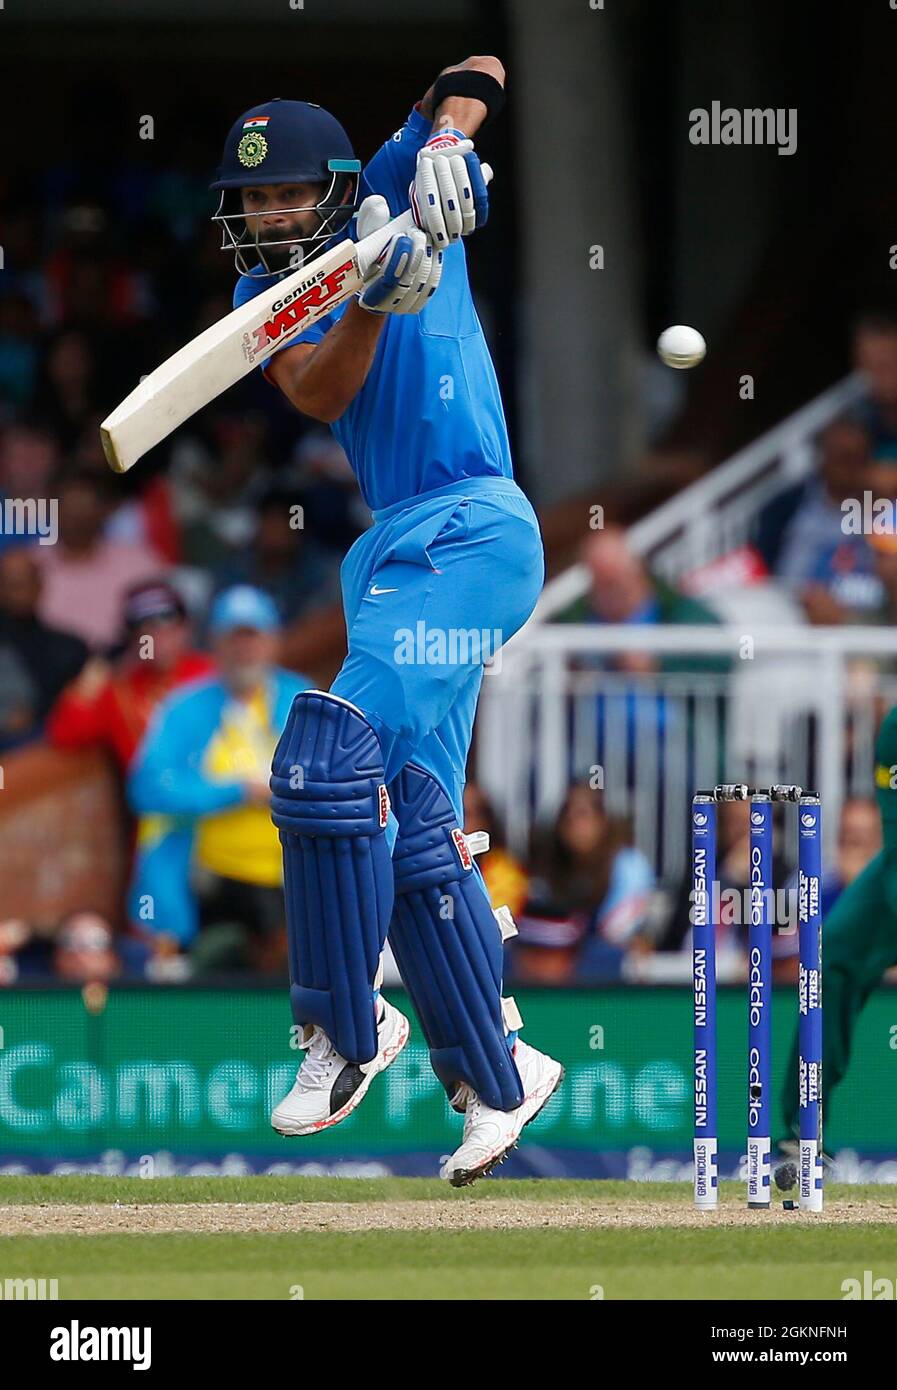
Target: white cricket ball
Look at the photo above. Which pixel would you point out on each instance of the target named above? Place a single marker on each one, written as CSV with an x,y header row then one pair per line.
x,y
681,346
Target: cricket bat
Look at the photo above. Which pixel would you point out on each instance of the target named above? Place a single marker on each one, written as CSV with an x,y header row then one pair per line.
x,y
231,348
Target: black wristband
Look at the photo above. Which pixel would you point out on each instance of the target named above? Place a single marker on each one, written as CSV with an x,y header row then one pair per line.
x,y
469,82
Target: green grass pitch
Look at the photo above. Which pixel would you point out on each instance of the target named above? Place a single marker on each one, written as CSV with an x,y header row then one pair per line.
x,y
531,1257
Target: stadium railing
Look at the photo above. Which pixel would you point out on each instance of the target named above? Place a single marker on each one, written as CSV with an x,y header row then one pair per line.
x,y
716,514
798,704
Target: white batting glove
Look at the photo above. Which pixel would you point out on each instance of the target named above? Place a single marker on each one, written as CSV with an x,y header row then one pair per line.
x,y
448,195
408,270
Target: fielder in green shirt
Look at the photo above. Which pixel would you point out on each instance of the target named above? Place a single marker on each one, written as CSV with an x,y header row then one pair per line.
x,y
859,937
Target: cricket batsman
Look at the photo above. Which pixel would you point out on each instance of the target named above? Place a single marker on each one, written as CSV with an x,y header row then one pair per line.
x,y
368,777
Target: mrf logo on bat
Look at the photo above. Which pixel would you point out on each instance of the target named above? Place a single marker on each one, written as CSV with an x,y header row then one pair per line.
x,y
288,315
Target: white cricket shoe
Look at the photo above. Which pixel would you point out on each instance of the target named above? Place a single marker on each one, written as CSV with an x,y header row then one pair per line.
x,y
490,1135
327,1087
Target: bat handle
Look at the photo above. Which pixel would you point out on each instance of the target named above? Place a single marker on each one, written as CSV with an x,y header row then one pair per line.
x,y
369,248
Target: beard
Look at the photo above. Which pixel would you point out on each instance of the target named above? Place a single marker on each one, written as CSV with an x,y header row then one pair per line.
x,y
283,255
288,250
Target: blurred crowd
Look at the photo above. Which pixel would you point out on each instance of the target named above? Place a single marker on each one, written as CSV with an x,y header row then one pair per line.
x,y
214,564
250,492
824,547
805,535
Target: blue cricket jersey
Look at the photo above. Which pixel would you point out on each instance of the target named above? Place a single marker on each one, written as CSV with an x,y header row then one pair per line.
x,y
429,413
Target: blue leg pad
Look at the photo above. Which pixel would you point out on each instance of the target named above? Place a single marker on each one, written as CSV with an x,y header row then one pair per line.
x,y
331,807
447,944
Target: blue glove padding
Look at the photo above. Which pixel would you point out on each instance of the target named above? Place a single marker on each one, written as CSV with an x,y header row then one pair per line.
x,y
478,188
409,271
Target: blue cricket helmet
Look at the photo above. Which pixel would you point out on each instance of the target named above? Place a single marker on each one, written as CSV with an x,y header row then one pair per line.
x,y
285,142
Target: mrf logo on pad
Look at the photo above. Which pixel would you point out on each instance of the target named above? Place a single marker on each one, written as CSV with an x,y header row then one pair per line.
x,y
383,805
463,851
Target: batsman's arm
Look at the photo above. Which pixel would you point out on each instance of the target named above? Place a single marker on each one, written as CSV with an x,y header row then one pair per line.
x,y
463,113
322,379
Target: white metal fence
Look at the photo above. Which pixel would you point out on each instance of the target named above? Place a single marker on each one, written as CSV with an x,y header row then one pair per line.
x,y
797,704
